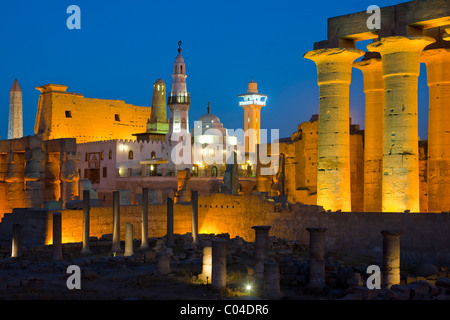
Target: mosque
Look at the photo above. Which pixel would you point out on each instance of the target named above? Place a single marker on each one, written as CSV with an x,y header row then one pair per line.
x,y
138,144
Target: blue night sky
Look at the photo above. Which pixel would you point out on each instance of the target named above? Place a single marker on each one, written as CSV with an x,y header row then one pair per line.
x,y
124,46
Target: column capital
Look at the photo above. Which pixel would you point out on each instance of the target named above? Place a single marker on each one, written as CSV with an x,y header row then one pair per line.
x,y
334,65
368,64
333,54
397,44
372,70
435,53
261,228
386,233
404,53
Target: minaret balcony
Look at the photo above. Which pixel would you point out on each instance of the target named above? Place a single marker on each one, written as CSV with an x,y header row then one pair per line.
x,y
179,98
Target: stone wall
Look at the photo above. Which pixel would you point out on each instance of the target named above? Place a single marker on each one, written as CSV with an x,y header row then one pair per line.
x,y
425,235
33,171
64,114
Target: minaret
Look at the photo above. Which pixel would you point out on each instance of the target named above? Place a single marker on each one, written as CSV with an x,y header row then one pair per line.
x,y
15,123
252,103
158,119
179,99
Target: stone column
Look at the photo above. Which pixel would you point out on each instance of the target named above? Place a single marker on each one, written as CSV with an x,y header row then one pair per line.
x,y
194,202
219,264
261,243
438,77
52,183
272,281
144,236
116,222
57,236
373,131
15,181
69,176
16,250
169,241
207,265
34,176
317,258
128,240
391,258
334,70
86,222
401,68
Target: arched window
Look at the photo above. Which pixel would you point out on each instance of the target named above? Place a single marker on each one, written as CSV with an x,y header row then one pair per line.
x,y
214,171
110,154
130,155
181,68
153,155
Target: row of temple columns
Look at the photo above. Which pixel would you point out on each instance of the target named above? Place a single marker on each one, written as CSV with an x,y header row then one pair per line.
x,y
266,270
391,152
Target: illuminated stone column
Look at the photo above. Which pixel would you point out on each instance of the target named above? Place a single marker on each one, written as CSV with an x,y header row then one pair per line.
x,y
128,240
261,243
317,258
438,77
15,181
57,237
116,222
86,221
207,265
144,204
401,68
219,264
334,70
16,250
373,132
391,258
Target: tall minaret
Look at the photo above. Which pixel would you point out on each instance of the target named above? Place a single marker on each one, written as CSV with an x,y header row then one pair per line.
x,y
158,119
252,102
15,123
179,99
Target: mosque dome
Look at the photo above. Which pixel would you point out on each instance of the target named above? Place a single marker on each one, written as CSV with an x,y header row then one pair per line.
x,y
210,121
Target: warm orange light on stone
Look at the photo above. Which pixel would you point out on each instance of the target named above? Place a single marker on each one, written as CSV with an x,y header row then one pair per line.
x,y
438,77
373,132
64,114
334,69
401,68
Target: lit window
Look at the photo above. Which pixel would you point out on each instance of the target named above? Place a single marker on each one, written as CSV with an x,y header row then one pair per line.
x,y
130,155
